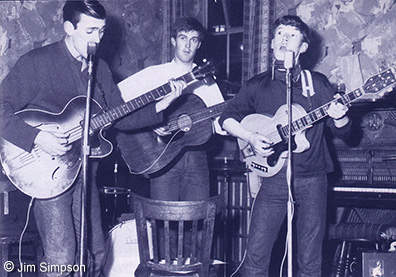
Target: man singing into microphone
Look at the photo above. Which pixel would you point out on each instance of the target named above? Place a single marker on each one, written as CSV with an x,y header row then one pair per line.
x,y
264,94
46,79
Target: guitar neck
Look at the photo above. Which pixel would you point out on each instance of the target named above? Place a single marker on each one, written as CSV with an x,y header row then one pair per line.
x,y
110,116
374,85
198,116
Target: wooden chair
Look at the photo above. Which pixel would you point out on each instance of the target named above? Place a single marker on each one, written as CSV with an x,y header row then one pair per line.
x,y
189,250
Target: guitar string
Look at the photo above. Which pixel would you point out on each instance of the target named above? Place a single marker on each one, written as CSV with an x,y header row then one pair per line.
x,y
27,158
196,117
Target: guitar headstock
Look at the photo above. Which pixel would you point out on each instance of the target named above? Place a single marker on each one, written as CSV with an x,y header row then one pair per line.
x,y
377,85
203,71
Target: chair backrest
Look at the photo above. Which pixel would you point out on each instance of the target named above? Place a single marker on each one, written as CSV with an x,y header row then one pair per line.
x,y
190,222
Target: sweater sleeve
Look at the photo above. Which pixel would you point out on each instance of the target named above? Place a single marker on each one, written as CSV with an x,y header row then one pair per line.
x,y
240,106
17,90
344,131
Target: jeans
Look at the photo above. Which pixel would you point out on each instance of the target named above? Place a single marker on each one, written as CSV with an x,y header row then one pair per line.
x,y
187,179
268,215
58,223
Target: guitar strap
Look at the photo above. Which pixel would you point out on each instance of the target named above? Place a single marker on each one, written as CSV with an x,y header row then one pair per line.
x,y
307,86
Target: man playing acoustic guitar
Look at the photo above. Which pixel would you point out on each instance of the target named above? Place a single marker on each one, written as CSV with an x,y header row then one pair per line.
x,y
51,79
264,94
186,175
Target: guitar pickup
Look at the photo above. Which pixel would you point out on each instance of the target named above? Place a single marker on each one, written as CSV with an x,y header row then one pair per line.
x,y
259,167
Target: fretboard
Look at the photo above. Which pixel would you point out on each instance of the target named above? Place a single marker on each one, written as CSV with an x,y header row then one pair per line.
x,y
110,116
319,113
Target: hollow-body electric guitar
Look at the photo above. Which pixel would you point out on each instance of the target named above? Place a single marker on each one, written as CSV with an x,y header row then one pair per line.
x,y
41,175
190,123
276,128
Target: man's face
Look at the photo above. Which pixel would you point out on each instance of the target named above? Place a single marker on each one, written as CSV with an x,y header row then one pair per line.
x,y
287,38
89,29
186,45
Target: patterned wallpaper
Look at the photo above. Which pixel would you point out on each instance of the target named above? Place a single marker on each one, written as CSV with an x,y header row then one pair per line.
x,y
134,36
355,38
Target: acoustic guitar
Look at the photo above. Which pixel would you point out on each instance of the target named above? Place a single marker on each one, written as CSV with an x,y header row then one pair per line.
x,y
41,175
190,123
276,128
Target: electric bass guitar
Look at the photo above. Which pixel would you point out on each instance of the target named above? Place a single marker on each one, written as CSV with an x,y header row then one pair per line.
x,y
276,128
190,123
41,175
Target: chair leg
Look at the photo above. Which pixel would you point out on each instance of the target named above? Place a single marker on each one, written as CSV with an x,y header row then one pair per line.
x,y
341,268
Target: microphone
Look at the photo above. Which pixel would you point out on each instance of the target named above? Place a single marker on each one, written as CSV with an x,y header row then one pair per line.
x,y
289,60
91,50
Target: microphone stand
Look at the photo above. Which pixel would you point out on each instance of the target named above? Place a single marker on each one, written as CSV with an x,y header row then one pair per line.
x,y
85,149
289,58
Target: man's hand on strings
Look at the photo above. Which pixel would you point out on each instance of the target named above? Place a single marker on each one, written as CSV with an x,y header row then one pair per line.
x,y
338,111
54,143
176,90
161,131
261,145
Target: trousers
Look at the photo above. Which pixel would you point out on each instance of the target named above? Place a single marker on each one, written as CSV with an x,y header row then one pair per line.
x,y
268,215
58,222
187,179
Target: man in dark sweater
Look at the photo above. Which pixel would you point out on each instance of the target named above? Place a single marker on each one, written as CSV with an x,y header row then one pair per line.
x,y
47,79
265,94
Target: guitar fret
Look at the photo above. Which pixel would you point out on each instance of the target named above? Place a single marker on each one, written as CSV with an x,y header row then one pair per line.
x,y
120,112
161,91
132,104
347,99
125,108
94,123
300,123
355,94
294,126
101,120
148,99
114,115
304,121
285,132
106,118
138,102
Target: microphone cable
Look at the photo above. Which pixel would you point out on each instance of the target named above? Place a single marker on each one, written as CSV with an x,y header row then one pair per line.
x,y
22,233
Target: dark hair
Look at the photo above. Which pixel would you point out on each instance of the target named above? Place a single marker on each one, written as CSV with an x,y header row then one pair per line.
x,y
73,9
295,21
188,24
